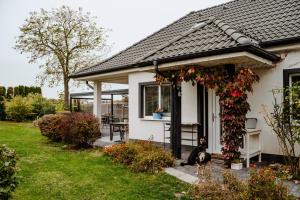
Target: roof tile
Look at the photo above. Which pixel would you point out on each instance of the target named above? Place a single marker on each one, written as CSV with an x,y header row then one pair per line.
x,y
257,20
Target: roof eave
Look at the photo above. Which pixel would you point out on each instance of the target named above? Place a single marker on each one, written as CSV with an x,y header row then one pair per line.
x,y
284,41
248,48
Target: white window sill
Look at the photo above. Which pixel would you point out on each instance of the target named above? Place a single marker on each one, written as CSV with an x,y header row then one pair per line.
x,y
159,120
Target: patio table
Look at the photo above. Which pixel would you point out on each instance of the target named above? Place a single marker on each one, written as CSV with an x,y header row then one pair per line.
x,y
123,126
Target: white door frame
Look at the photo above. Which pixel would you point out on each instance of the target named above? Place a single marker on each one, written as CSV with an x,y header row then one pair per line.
x,y
214,123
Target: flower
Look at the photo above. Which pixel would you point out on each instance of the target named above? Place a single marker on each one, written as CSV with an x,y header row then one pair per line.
x,y
192,70
236,93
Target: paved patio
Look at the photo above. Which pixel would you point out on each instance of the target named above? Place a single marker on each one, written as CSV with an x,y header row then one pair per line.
x,y
105,139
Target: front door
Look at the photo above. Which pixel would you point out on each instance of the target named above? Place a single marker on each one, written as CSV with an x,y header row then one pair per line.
x,y
214,125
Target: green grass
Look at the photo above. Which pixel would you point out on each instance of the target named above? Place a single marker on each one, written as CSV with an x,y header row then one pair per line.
x,y
47,171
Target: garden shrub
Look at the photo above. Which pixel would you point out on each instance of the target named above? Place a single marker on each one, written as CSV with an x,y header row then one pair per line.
x,y
27,108
78,129
262,185
141,156
82,129
10,93
213,190
2,98
233,183
18,108
50,126
123,153
152,161
8,169
24,91
40,105
231,188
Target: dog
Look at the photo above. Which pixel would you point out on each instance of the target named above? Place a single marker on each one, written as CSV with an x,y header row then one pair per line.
x,y
198,155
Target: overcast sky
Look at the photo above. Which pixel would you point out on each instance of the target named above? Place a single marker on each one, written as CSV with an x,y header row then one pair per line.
x,y
129,22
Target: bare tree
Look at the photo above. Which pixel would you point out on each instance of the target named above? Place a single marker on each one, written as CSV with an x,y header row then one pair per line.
x,y
284,120
63,40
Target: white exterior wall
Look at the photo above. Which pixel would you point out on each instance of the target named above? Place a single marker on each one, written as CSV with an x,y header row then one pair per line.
x,y
188,103
262,95
145,129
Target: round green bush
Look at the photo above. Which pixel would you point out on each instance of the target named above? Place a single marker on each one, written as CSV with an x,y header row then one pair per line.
x,y
18,108
8,169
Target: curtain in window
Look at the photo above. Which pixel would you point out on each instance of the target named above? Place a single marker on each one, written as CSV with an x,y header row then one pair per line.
x,y
151,99
166,98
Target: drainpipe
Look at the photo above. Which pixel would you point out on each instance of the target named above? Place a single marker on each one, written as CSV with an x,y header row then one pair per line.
x,y
175,135
89,85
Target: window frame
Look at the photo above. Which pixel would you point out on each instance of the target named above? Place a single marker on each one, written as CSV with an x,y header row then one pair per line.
x,y
142,100
287,77
291,100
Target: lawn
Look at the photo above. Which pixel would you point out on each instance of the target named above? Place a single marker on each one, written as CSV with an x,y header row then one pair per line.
x,y
48,171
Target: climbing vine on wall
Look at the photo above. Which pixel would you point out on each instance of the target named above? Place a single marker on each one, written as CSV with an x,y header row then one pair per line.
x,y
232,90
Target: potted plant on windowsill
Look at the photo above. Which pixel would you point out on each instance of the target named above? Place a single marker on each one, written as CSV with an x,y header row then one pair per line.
x,y
157,114
236,164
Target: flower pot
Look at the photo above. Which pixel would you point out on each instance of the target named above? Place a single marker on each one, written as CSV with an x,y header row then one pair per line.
x,y
157,115
236,166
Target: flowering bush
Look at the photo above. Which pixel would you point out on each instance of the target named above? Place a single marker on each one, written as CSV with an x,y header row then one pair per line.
x,y
8,179
141,156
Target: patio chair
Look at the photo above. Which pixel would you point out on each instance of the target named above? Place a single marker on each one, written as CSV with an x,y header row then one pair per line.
x,y
104,120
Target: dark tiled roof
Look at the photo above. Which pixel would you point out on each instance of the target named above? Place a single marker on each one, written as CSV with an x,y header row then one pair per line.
x,y
212,35
236,23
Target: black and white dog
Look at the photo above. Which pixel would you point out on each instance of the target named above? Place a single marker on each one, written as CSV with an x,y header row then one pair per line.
x,y
198,155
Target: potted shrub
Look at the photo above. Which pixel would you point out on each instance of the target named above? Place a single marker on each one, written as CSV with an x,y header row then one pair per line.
x,y
157,114
236,164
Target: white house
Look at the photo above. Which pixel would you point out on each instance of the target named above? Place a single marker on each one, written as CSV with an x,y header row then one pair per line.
x,y
262,35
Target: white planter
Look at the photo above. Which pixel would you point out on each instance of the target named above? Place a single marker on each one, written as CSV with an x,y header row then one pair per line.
x,y
236,166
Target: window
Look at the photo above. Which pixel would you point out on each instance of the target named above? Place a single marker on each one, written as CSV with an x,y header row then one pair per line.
x,y
151,99
155,96
165,98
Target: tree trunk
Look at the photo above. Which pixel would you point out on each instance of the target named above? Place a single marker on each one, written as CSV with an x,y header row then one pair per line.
x,y
66,94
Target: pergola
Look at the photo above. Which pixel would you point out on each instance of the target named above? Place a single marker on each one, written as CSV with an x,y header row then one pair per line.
x,y
90,96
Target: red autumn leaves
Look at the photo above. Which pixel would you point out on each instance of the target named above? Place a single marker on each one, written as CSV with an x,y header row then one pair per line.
x,y
233,100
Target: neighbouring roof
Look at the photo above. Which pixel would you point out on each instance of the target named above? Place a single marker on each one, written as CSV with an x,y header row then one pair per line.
x,y
234,26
